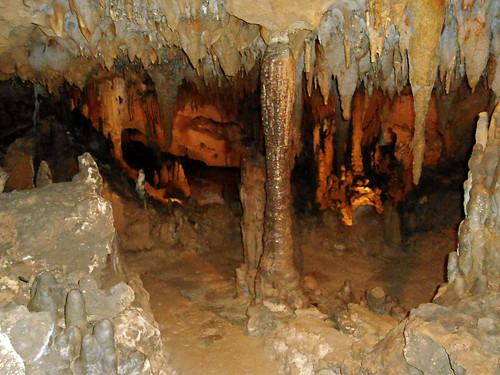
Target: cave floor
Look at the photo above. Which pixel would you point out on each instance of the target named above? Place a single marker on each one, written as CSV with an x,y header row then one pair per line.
x,y
203,325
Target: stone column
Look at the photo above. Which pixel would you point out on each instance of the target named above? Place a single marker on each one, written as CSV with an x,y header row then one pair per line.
x,y
278,279
253,202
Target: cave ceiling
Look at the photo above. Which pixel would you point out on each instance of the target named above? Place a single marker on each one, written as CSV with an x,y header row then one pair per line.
x,y
380,43
383,45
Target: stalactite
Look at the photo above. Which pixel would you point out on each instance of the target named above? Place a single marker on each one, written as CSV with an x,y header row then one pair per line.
x,y
278,280
167,81
495,55
448,49
112,105
474,39
323,152
426,21
330,37
323,74
309,59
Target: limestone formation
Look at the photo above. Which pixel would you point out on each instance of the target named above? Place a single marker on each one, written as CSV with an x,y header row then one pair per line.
x,y
10,361
97,354
106,304
41,226
455,333
43,343
43,175
253,198
137,333
382,45
480,230
180,79
3,179
68,326
278,279
74,312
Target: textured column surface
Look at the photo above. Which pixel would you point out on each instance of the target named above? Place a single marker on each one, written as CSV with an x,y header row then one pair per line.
x,y
278,279
253,202
253,198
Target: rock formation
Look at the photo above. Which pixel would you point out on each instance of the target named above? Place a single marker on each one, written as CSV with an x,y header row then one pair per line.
x,y
364,97
61,238
380,44
278,279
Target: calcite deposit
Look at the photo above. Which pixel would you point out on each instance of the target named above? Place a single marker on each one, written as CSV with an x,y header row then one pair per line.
x,y
278,279
68,324
377,44
332,112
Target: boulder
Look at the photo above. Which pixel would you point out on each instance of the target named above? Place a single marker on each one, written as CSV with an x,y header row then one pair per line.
x,y
64,227
437,340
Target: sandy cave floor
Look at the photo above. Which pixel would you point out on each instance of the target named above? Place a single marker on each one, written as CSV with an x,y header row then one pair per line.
x,y
192,290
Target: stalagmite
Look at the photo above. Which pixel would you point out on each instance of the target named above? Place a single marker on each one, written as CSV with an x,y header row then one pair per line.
x,y
278,280
43,175
323,137
426,20
253,201
479,232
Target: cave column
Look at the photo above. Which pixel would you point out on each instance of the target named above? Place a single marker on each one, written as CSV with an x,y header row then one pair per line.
x,y
278,280
357,134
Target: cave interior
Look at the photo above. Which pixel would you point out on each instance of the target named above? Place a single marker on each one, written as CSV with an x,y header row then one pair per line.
x,y
298,188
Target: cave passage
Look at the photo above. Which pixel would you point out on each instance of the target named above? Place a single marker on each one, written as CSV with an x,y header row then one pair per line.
x,y
403,249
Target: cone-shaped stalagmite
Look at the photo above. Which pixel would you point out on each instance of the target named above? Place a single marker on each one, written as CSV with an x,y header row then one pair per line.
x,y
426,21
278,279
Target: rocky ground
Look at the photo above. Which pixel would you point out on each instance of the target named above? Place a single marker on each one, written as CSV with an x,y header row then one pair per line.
x,y
361,281
187,260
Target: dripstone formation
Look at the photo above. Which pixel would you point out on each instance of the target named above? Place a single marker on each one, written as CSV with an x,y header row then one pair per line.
x,y
278,279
